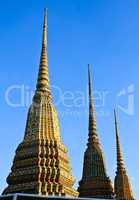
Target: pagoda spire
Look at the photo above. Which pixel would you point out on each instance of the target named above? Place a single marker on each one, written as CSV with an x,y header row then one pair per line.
x,y
94,183
120,162
92,136
43,79
122,184
41,164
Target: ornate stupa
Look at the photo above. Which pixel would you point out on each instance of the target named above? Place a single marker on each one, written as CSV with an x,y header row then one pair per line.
x,y
122,184
41,165
95,182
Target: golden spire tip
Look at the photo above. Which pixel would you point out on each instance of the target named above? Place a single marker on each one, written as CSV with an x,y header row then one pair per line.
x,y
45,11
89,81
115,116
116,123
43,79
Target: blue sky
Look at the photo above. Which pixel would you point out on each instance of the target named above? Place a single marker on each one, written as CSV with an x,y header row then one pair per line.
x,y
102,33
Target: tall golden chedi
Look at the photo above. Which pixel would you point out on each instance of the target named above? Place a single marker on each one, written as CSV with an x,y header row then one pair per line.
x,y
122,184
95,182
41,164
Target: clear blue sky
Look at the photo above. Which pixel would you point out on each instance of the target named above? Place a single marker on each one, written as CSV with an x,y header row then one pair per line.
x,y
103,33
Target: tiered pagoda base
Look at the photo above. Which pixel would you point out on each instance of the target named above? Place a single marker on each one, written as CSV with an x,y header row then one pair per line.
x,y
38,197
39,168
91,188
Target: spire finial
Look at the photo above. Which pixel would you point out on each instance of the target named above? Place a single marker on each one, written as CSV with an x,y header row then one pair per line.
x,y
93,137
91,103
45,11
89,81
120,162
45,27
43,79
